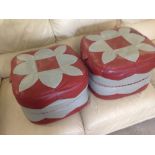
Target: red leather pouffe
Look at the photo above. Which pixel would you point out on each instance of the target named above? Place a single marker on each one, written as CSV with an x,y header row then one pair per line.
x,y
49,84
119,61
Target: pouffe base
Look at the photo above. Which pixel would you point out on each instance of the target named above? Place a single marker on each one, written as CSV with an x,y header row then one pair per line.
x,y
116,96
46,121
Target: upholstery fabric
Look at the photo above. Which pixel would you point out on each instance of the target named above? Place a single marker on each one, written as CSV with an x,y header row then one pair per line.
x,y
16,35
13,121
106,116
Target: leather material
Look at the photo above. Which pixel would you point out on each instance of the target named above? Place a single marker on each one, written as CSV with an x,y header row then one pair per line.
x,y
13,121
117,60
5,59
58,78
64,28
17,35
106,116
112,55
40,26
70,125
114,92
146,27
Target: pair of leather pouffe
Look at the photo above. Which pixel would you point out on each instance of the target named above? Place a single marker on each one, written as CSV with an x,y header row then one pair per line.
x,y
51,84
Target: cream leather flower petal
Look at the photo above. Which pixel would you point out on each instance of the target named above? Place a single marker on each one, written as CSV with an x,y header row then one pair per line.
x,y
146,47
25,68
109,34
60,50
94,37
99,46
66,59
124,30
130,53
133,38
25,57
28,81
43,54
71,70
51,78
108,57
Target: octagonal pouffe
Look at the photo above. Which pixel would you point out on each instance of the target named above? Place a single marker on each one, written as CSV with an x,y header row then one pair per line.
x,y
119,61
49,84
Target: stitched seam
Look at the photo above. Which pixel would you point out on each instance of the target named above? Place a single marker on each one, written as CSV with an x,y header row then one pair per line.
x,y
120,85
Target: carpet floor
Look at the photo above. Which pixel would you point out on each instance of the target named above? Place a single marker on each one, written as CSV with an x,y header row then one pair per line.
x,y
144,128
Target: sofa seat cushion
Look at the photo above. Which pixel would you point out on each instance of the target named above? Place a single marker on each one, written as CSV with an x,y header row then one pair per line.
x,y
13,121
50,83
119,61
106,116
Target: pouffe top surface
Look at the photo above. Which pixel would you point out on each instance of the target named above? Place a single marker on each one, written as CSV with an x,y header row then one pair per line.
x,y
47,75
118,53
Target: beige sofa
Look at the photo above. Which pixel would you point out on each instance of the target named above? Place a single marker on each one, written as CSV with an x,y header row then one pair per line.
x,y
100,116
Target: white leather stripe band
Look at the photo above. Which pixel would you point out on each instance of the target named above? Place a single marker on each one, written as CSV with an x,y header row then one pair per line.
x,y
114,83
58,109
127,89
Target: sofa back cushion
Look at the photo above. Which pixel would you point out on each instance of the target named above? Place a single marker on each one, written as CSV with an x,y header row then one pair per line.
x,y
64,28
144,26
16,35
